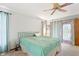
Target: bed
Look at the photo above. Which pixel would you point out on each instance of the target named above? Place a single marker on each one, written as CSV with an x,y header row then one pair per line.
x,y
40,45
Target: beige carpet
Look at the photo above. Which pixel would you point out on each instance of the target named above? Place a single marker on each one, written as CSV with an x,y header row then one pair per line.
x,y
67,50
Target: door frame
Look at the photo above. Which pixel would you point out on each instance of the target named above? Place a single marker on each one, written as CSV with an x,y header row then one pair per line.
x,y
72,29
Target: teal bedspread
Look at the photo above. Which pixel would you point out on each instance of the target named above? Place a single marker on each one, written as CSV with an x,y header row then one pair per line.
x,y
39,46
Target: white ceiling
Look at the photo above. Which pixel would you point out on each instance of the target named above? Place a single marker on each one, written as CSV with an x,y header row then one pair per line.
x,y
36,10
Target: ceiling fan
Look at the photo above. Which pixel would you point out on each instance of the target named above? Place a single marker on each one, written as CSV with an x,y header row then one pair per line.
x,y
57,6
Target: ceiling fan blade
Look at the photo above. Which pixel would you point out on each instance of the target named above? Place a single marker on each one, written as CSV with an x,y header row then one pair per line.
x,y
53,12
62,10
56,5
66,4
49,9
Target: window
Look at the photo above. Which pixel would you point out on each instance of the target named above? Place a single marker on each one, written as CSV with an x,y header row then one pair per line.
x,y
46,28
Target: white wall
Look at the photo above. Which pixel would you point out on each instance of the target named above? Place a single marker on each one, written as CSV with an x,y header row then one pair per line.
x,y
20,23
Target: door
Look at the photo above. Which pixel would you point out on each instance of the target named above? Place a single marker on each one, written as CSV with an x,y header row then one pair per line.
x,y
67,33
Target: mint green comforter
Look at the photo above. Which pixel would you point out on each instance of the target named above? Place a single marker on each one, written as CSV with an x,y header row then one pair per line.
x,y
39,46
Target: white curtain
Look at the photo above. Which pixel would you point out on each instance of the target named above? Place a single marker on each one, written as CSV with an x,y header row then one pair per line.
x,y
3,31
57,30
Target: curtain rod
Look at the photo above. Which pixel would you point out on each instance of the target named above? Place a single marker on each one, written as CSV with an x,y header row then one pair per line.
x,y
6,12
